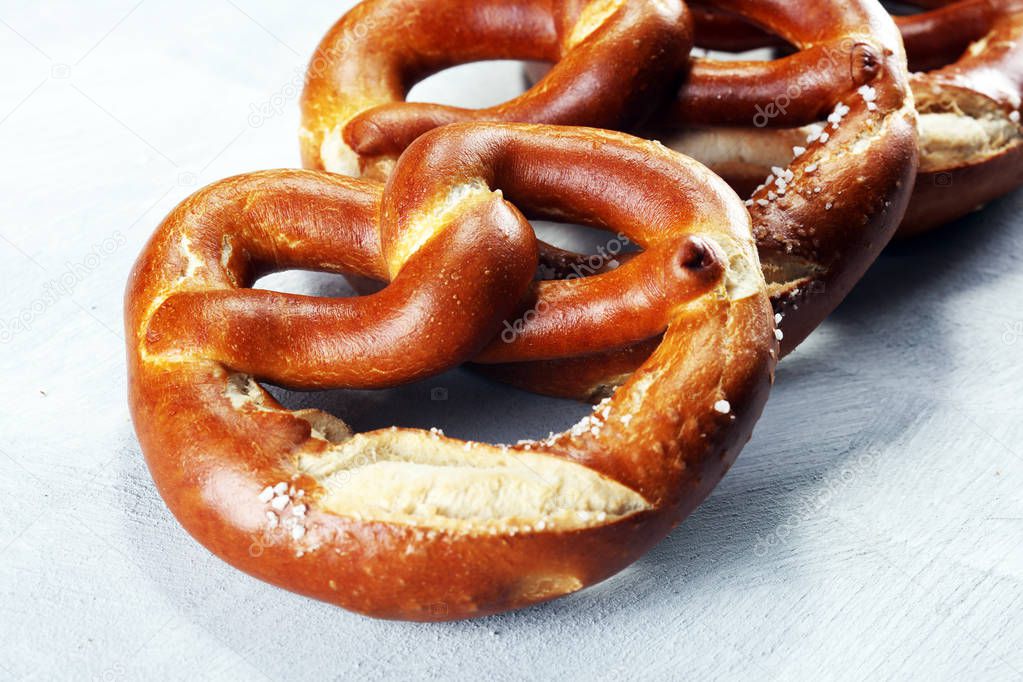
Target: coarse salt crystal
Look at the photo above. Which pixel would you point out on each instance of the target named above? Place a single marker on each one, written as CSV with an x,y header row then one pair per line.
x,y
723,406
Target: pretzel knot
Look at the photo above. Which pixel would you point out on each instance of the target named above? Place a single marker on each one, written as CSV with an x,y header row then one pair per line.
x,y
616,60
403,523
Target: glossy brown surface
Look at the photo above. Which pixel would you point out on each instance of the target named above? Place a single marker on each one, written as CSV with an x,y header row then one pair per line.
x,y
246,477
615,62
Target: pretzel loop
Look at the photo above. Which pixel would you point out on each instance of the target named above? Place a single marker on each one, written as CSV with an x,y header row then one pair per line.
x,y
614,61
409,524
295,340
618,307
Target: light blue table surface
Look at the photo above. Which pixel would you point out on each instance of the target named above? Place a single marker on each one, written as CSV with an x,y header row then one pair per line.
x,y
872,529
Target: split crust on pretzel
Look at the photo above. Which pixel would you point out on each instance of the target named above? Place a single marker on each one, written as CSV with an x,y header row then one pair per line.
x,y
968,82
616,61
402,523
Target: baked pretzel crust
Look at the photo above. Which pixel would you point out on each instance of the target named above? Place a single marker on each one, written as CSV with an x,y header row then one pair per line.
x,y
402,523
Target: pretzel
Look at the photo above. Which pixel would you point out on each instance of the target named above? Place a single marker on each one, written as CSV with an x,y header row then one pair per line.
x,y
401,523
616,60
969,82
971,139
821,218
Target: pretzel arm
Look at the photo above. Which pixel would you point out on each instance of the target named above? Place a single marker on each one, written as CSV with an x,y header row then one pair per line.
x,y
205,311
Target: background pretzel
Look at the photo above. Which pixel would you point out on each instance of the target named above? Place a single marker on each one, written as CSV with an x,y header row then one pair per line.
x,y
969,81
409,524
833,200
616,61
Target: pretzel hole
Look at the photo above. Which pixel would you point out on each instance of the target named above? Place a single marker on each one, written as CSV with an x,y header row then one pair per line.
x,y
476,85
431,481
766,44
583,251
461,403
760,54
902,8
307,283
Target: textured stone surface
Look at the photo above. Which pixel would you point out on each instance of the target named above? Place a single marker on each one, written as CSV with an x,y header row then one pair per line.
x,y
872,528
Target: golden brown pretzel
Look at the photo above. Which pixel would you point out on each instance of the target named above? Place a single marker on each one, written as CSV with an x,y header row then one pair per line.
x,y
968,56
409,524
616,60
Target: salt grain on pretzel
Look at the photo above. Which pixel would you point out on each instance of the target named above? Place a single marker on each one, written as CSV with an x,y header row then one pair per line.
x,y
411,524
